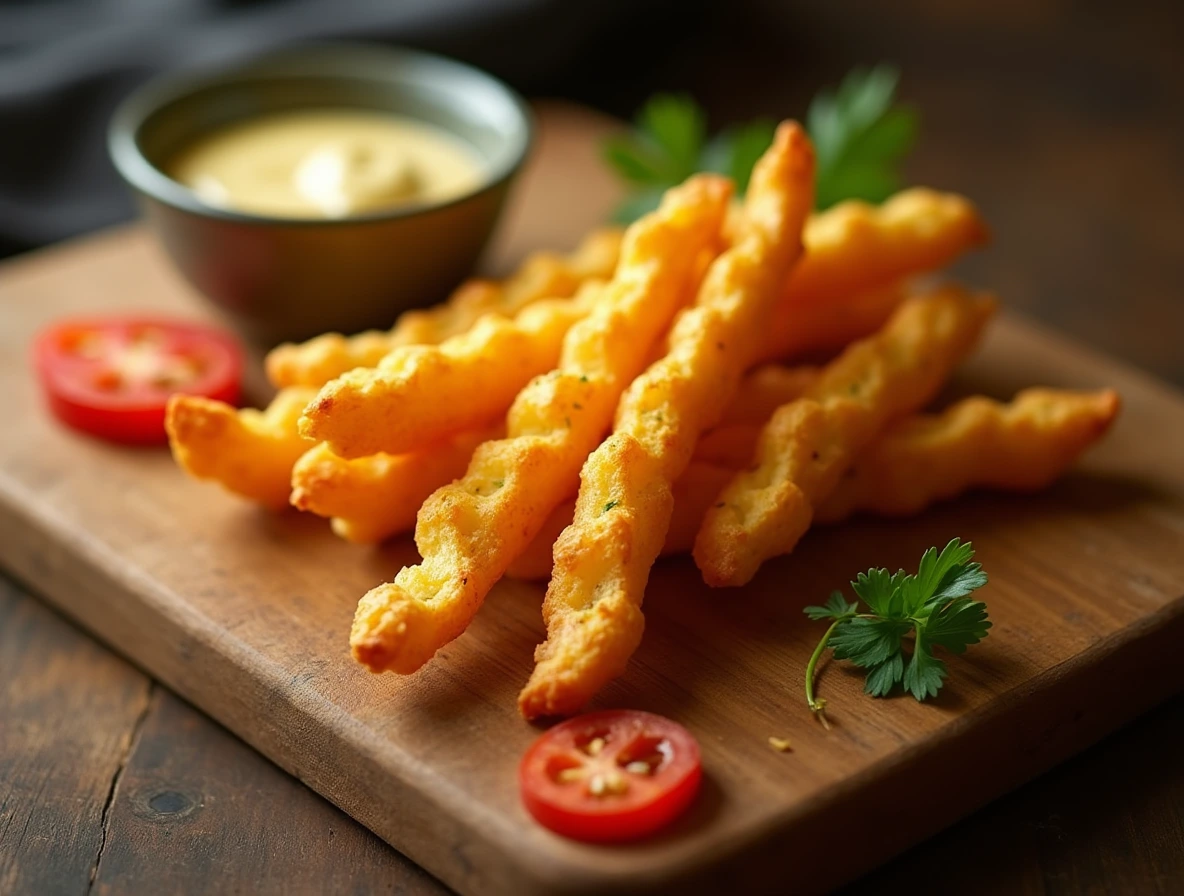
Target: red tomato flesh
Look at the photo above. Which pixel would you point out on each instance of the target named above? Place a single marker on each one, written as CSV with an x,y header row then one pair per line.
x,y
112,378
610,776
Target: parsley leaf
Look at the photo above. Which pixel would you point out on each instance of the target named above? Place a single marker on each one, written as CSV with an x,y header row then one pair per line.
x,y
879,590
924,675
958,624
932,606
883,678
836,607
868,641
860,136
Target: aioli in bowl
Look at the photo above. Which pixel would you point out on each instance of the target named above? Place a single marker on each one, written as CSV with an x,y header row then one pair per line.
x,y
327,163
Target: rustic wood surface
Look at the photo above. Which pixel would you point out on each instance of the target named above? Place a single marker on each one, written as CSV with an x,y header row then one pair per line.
x,y
245,615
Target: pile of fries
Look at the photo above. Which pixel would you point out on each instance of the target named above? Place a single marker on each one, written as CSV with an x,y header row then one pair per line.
x,y
594,411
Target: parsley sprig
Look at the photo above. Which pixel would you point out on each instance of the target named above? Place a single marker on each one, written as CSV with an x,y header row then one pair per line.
x,y
860,136
933,607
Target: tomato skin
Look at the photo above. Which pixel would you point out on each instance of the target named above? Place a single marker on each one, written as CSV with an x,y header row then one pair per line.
x,y
648,803
133,415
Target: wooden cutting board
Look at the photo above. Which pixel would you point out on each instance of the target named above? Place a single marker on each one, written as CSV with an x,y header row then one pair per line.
x,y
246,615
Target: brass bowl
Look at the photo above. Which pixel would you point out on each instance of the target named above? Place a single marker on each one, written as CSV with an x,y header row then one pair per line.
x,y
285,278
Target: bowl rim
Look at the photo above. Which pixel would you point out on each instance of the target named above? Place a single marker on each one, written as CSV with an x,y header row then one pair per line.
x,y
157,93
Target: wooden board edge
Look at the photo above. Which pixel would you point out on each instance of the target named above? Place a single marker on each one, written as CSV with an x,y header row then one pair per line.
x,y
1028,731
1032,728
190,656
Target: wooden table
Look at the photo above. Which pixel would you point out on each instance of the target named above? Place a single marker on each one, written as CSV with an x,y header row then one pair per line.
x,y
109,783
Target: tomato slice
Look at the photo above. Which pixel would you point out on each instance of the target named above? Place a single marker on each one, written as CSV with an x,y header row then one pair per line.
x,y
610,776
112,378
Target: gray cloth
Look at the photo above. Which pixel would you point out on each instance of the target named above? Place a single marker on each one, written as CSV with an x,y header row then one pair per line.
x,y
65,65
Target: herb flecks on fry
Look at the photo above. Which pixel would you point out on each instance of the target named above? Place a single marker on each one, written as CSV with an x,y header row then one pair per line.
x,y
469,532
807,445
603,560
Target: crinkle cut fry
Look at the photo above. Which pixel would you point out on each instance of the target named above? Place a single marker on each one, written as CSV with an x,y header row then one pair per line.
x,y
1022,445
759,394
248,452
543,275
470,531
858,250
850,247
854,246
338,488
421,394
913,231
602,561
374,498
808,444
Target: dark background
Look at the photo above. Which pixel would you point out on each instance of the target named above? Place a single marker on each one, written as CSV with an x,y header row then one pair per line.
x,y
1063,121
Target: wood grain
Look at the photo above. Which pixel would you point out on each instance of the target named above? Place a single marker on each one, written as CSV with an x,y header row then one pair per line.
x,y
68,713
163,800
1107,822
191,792
246,615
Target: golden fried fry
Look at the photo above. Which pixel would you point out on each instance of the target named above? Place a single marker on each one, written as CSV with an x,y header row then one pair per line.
x,y
470,531
854,246
850,248
763,390
248,452
602,561
729,446
828,325
543,275
420,394
760,393
373,498
807,444
914,231
977,443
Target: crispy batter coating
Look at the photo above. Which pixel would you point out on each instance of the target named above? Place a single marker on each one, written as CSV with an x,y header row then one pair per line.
x,y
602,561
374,498
850,247
543,275
248,452
914,231
830,324
421,394
470,531
729,446
853,246
1022,445
763,390
808,444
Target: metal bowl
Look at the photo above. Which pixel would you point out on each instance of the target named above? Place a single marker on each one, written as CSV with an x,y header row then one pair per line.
x,y
286,278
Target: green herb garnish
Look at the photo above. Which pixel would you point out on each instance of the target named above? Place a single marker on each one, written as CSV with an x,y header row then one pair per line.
x,y
859,135
931,606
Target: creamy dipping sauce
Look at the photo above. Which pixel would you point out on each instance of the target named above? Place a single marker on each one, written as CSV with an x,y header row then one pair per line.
x,y
329,163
